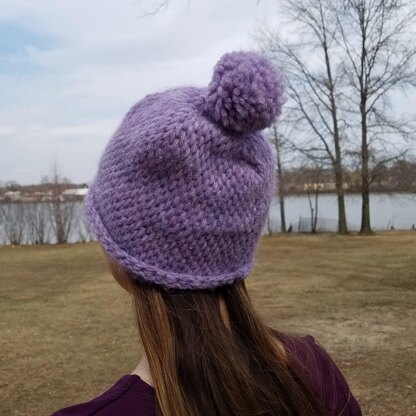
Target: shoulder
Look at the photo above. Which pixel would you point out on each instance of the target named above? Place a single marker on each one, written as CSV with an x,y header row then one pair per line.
x,y
323,375
129,396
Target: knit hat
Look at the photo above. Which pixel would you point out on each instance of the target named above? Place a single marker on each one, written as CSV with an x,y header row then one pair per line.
x,y
184,185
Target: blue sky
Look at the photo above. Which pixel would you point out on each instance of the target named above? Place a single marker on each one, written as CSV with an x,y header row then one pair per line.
x,y
15,38
69,70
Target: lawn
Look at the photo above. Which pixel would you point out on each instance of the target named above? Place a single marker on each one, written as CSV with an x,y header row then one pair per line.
x,y
67,331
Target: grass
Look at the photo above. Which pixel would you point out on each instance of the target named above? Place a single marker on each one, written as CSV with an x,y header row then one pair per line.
x,y
67,331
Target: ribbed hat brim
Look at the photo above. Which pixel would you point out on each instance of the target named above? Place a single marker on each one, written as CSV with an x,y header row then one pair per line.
x,y
151,273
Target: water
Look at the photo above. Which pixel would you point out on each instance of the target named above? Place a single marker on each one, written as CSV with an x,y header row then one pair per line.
x,y
388,211
33,222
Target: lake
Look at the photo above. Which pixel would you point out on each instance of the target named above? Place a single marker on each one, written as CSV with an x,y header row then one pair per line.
x,y
388,211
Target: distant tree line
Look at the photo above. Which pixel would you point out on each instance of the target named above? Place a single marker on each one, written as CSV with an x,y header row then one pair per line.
x,y
397,176
35,192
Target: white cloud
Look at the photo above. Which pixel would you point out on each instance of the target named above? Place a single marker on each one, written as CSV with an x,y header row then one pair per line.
x,y
102,59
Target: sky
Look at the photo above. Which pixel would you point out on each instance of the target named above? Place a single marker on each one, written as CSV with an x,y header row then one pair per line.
x,y
71,69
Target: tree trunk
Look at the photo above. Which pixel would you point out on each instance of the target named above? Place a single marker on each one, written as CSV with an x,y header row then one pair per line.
x,y
365,176
315,219
281,193
337,161
280,181
342,217
282,214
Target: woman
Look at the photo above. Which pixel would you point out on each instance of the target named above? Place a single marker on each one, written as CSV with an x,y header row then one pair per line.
x,y
178,205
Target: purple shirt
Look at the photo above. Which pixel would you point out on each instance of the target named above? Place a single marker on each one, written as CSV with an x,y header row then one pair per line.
x,y
131,396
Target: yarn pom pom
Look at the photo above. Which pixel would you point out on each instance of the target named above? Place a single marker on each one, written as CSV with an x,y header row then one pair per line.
x,y
245,94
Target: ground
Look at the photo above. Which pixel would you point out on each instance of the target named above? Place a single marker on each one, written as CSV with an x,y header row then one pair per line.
x,y
67,331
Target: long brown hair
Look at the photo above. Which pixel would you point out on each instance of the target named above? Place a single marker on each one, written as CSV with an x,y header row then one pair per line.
x,y
200,367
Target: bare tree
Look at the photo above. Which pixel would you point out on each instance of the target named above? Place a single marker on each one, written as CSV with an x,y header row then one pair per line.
x,y
155,7
62,213
313,84
37,223
84,231
312,174
313,192
377,37
13,218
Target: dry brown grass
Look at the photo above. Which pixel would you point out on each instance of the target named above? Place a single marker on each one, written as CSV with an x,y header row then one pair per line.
x,y
67,331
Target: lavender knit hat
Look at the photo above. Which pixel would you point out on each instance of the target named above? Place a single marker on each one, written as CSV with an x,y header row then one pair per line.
x,y
184,184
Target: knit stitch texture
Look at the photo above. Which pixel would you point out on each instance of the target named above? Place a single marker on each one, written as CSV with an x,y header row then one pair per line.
x,y
184,184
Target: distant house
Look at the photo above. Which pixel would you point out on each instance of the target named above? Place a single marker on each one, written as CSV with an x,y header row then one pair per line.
x,y
322,186
12,196
47,196
75,193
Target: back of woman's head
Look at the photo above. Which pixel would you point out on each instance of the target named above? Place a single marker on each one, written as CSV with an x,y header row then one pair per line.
x,y
204,363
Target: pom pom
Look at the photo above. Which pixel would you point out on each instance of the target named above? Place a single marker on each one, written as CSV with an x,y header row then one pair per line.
x,y
245,94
